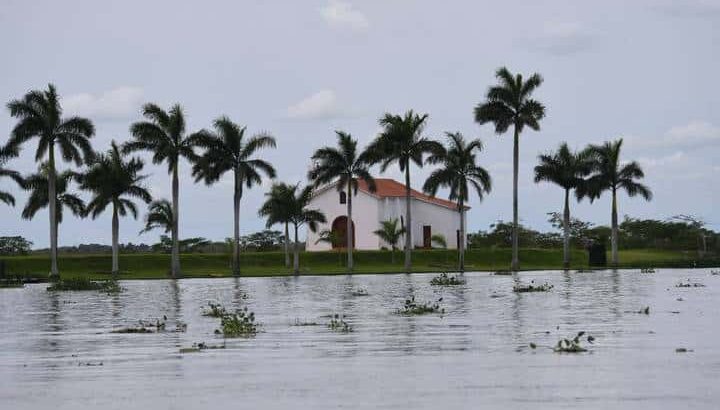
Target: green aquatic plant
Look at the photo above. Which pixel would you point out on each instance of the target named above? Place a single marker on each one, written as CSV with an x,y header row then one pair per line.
x,y
239,324
360,292
531,287
647,270
446,280
197,347
567,345
214,310
416,308
298,322
149,326
85,284
338,324
689,284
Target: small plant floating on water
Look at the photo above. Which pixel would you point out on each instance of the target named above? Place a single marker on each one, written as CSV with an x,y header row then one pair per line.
x,y
683,350
239,324
196,347
416,308
84,284
214,310
158,326
573,345
446,280
545,287
689,284
338,324
715,272
303,323
360,292
647,270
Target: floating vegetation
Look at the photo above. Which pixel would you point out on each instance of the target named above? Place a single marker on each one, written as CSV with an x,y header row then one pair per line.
x,y
84,284
214,310
416,308
158,326
503,273
715,272
566,345
239,324
12,282
647,270
545,287
360,292
90,364
338,324
298,322
645,311
196,347
689,284
683,350
446,280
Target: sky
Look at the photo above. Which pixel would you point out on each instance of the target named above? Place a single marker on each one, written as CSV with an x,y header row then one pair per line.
x,y
645,71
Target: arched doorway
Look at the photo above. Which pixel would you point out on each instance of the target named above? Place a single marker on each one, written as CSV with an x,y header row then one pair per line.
x,y
339,228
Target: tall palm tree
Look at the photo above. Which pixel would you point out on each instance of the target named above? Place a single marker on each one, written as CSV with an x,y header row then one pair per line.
x,y
459,170
276,209
159,216
164,135
567,170
332,238
6,153
40,116
347,166
301,215
390,233
115,181
609,174
401,141
38,184
228,150
510,103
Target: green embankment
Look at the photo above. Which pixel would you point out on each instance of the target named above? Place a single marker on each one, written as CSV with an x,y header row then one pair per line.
x,y
153,266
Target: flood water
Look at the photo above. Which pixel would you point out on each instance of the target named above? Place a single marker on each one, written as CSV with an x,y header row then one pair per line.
x,y
475,355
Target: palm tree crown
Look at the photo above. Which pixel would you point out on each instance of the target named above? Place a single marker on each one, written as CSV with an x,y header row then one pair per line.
x,y
159,216
6,153
38,183
564,167
510,103
608,173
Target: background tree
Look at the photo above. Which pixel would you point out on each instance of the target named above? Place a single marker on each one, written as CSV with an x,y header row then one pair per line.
x,y
300,214
6,153
115,181
609,174
159,216
276,209
401,141
333,239
567,170
347,166
164,136
509,104
390,233
40,116
459,170
38,183
227,150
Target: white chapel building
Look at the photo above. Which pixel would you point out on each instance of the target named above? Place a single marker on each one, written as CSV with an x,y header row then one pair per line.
x,y
430,216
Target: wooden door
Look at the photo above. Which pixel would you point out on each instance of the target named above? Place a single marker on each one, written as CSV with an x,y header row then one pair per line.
x,y
427,235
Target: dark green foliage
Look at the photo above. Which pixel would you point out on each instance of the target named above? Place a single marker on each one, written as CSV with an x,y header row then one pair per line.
x,y
214,310
239,324
412,307
38,199
83,283
446,280
159,216
14,245
532,287
6,153
338,324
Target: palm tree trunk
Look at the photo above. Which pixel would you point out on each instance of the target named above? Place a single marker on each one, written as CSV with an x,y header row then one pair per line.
x,y
566,231
236,231
175,257
614,235
408,220
515,264
349,229
287,246
115,246
52,203
461,238
296,253
392,255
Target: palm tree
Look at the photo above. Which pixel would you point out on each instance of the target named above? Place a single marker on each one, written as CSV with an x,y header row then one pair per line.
x,y
345,165
227,150
40,116
332,238
609,174
38,184
159,216
300,215
459,170
276,209
5,154
567,170
401,141
390,234
113,180
164,135
509,103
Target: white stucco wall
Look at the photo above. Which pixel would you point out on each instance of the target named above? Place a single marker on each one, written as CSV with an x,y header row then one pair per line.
x,y
442,220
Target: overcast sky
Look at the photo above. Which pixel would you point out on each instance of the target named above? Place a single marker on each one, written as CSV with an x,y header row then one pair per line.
x,y
646,71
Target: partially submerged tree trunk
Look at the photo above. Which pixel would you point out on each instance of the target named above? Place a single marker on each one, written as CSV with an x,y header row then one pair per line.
x,y
115,246
175,256
515,264
52,211
614,236
566,231
408,221
237,195
296,253
349,229
287,245
461,238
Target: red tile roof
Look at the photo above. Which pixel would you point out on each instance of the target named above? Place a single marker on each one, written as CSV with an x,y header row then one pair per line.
x,y
389,188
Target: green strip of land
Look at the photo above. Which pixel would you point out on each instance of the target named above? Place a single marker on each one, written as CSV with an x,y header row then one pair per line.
x,y
155,266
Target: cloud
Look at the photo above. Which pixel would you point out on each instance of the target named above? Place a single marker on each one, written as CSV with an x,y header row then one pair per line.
x,y
321,105
118,103
340,14
562,39
691,8
693,135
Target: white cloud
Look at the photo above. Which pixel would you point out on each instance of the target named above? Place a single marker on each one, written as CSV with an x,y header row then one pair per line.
x,y
321,105
118,103
693,135
562,38
341,14
691,8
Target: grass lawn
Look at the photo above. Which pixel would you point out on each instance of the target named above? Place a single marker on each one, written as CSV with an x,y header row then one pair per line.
x,y
154,266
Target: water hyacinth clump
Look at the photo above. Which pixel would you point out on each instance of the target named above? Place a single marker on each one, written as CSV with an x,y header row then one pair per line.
x,y
148,326
689,284
214,310
12,282
647,270
416,308
446,280
531,287
360,292
239,324
85,284
338,324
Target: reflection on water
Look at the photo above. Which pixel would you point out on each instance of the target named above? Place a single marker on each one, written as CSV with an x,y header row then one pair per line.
x,y
475,355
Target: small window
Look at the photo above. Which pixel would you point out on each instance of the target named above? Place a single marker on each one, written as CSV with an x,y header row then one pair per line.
x,y
343,198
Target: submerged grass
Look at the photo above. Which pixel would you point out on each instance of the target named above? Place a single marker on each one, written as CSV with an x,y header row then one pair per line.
x,y
85,284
